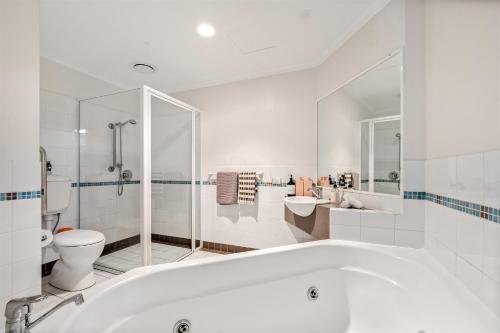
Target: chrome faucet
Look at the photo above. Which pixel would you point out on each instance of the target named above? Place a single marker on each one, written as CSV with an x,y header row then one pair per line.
x,y
316,191
18,312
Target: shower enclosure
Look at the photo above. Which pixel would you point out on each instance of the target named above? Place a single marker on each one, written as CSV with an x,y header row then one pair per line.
x,y
140,177
381,155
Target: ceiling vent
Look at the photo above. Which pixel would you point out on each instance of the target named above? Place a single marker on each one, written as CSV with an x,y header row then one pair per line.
x,y
144,68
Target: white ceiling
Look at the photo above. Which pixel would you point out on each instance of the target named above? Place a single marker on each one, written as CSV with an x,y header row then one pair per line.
x,y
253,38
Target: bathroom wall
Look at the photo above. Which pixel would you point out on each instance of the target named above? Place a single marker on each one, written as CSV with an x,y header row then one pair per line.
x,y
281,111
265,125
339,133
462,84
462,77
20,251
60,89
399,25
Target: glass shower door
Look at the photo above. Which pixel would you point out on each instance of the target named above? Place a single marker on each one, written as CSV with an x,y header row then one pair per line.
x,y
171,180
109,182
386,156
173,147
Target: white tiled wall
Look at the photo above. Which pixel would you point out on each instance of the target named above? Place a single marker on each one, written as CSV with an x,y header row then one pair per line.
x,y
381,227
468,246
59,137
101,209
20,251
260,225
61,88
398,222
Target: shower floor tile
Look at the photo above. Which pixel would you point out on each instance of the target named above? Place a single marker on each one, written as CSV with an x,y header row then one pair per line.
x,y
130,257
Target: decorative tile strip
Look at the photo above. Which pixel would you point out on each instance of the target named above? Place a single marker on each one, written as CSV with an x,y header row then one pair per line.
x,y
108,183
183,182
9,196
260,183
474,209
380,180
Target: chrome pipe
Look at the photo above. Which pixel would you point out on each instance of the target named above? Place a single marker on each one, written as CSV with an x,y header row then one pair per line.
x,y
43,190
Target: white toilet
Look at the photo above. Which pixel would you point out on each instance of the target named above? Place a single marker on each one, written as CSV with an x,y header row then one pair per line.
x,y
78,249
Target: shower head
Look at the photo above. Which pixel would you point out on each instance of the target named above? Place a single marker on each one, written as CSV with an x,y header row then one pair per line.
x,y
398,135
131,121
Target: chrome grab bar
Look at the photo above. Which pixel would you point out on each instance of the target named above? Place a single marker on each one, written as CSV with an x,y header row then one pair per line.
x,y
113,127
43,161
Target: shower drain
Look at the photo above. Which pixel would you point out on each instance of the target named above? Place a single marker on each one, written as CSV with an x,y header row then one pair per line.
x,y
182,326
312,293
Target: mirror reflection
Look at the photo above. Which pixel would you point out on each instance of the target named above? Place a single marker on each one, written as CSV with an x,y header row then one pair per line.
x,y
359,131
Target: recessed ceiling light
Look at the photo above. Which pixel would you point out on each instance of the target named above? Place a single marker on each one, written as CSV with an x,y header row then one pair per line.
x,y
144,68
205,30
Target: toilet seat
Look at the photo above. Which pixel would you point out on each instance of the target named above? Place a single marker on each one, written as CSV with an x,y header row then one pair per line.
x,y
78,237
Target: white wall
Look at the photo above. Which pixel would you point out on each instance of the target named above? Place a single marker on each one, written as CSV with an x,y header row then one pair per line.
x,y
339,139
20,251
463,77
463,138
265,124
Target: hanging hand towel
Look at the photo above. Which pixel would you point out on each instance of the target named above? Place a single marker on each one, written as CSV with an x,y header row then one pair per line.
x,y
246,187
227,188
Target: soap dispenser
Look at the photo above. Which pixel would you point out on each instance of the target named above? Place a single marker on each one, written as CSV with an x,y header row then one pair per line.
x,y
290,187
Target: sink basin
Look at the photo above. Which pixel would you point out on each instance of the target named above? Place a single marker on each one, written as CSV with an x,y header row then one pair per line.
x,y
302,206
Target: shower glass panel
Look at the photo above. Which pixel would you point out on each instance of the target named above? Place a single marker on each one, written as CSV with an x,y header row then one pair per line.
x,y
386,156
365,157
171,178
139,177
110,175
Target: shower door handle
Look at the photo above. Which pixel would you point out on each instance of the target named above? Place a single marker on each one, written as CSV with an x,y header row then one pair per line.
x,y
113,127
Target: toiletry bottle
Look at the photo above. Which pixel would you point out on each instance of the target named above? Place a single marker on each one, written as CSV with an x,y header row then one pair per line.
x,y
299,186
290,187
308,184
334,194
330,180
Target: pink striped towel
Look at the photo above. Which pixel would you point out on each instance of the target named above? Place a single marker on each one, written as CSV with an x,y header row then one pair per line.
x,y
227,188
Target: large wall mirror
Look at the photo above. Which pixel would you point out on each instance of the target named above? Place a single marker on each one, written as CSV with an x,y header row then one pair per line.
x,y
359,130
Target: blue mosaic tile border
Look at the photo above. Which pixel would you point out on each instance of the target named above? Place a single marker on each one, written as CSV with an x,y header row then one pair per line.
x,y
471,208
183,182
269,184
25,195
109,183
377,180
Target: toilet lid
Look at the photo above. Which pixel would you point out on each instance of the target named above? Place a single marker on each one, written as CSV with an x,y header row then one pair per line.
x,y
78,237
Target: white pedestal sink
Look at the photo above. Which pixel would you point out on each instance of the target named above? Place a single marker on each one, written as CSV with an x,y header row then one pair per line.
x,y
302,206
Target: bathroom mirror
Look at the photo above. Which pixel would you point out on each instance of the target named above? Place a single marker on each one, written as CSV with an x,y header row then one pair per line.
x,y
359,130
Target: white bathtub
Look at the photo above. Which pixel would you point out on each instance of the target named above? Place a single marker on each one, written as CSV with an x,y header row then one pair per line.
x,y
362,288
